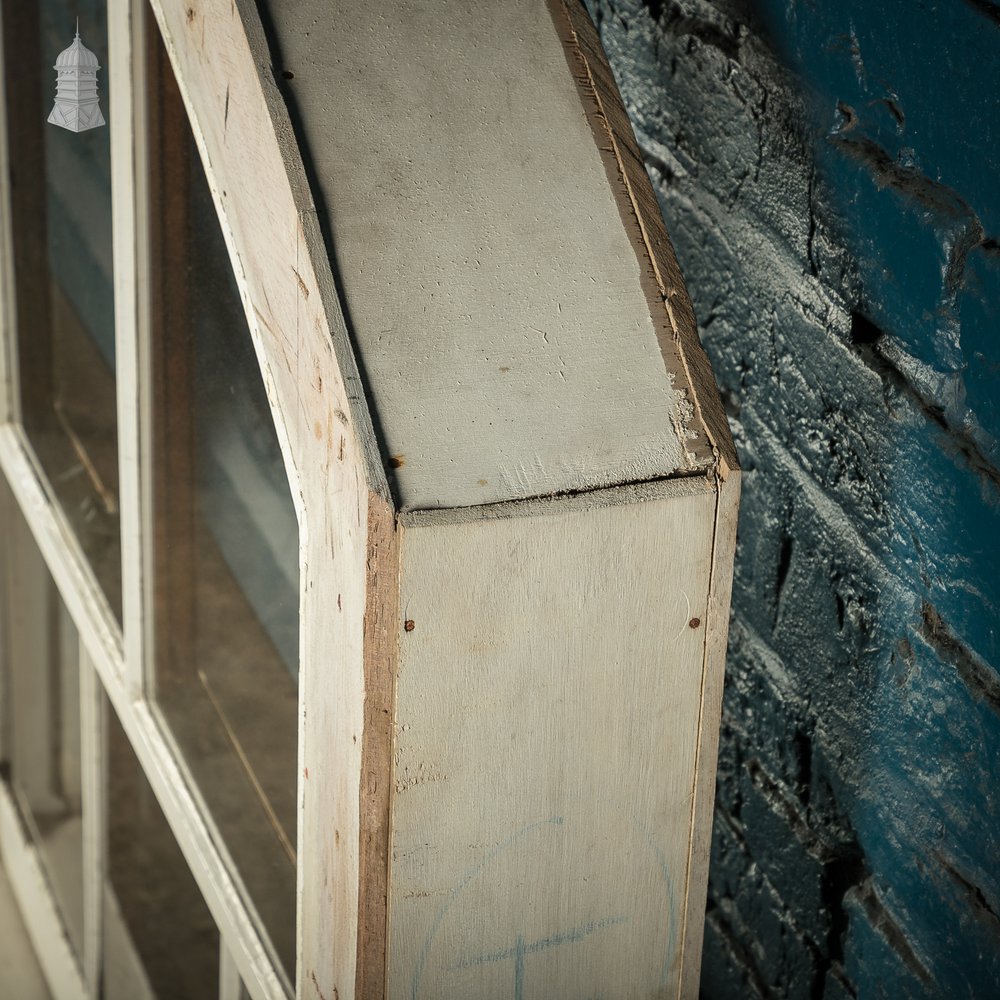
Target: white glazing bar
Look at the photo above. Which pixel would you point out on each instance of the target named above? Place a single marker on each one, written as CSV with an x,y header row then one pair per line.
x,y
38,907
8,508
123,60
94,784
99,633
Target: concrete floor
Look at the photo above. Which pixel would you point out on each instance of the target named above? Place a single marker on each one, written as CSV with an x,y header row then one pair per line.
x,y
20,975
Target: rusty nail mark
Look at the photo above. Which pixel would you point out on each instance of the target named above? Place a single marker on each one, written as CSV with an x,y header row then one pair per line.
x,y
339,608
190,14
288,74
410,625
397,461
695,622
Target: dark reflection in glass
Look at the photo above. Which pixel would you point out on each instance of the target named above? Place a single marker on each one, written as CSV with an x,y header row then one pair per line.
x,y
42,702
60,184
160,938
226,535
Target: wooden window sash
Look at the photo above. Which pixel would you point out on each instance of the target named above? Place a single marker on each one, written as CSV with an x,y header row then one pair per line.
x,y
117,660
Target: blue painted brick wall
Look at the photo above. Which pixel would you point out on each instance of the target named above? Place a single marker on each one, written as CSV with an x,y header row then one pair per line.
x,y
829,171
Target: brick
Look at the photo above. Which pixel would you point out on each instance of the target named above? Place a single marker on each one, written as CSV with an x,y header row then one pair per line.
x,y
839,237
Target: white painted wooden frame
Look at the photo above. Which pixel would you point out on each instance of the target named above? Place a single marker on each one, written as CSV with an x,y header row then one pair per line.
x,y
118,657
364,656
9,399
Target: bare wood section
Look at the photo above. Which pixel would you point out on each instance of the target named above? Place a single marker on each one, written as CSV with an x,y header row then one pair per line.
x,y
549,711
494,295
682,350
381,652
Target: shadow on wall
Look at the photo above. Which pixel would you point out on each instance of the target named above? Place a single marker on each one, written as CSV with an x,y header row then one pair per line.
x,y
828,173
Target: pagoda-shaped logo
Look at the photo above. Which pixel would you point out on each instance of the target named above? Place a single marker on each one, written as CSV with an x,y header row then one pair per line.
x,y
76,106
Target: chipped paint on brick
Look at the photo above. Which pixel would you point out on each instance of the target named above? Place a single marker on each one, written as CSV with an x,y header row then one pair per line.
x,y
836,222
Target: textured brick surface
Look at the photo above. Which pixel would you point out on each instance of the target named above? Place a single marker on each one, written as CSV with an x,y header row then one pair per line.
x,y
829,174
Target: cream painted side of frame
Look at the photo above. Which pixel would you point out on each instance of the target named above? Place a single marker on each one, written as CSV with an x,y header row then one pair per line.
x,y
550,700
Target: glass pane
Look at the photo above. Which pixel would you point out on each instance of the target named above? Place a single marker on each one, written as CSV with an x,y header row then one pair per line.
x,y
160,939
226,556
61,218
43,716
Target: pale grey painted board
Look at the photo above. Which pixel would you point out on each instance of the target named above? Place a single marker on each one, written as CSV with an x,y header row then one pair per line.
x,y
548,710
491,286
